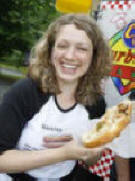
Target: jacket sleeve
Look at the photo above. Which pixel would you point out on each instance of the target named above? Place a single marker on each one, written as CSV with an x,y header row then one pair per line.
x,y
14,112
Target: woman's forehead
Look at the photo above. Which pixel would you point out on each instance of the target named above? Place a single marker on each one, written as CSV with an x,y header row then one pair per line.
x,y
70,31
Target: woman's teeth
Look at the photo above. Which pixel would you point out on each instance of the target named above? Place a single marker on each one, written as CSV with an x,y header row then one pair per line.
x,y
69,66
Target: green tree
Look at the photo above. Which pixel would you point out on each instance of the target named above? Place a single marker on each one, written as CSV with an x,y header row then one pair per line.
x,y
22,23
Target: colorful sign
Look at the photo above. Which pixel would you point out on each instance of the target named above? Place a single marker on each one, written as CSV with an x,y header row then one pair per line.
x,y
119,17
123,70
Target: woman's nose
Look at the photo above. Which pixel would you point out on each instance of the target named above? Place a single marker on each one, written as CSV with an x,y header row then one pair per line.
x,y
70,53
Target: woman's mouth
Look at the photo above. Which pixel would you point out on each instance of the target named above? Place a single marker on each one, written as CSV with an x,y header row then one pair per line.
x,y
68,68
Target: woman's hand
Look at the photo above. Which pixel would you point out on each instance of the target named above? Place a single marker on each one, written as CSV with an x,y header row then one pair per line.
x,y
73,150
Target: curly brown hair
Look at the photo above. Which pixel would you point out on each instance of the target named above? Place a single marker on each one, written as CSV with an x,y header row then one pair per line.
x,y
41,69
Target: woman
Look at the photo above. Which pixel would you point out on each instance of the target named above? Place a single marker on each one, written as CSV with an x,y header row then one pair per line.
x,y
66,70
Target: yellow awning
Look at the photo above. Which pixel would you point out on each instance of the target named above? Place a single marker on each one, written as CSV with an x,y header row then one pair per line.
x,y
74,6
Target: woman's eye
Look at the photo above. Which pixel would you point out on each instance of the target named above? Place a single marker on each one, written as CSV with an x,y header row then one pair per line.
x,y
82,48
61,46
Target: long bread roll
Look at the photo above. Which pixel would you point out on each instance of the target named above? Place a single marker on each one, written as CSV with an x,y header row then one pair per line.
x,y
111,124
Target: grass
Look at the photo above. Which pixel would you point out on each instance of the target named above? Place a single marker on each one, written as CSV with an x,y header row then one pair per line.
x,y
13,78
21,69
10,78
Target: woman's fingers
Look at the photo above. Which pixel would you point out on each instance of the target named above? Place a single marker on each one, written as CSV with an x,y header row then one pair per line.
x,y
53,144
57,139
56,142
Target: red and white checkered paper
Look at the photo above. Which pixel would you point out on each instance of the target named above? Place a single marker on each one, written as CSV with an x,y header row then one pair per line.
x,y
122,5
103,167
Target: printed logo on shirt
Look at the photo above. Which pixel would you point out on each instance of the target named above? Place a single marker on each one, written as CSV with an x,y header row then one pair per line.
x,y
50,128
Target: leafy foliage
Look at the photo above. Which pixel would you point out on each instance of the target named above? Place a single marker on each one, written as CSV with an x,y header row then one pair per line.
x,y
22,23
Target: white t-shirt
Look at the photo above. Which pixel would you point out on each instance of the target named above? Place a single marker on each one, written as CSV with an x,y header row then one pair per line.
x,y
51,121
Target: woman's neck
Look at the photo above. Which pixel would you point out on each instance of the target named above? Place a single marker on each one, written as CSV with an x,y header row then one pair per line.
x,y
66,98
68,88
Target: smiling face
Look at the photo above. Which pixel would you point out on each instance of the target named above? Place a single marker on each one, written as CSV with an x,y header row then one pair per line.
x,y
72,53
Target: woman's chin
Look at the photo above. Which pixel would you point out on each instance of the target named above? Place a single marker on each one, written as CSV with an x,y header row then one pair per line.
x,y
68,78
